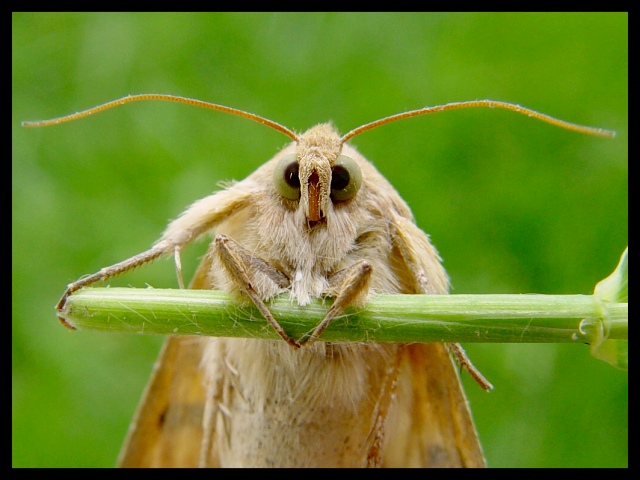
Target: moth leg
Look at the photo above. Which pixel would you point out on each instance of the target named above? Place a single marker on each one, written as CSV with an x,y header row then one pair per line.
x,y
351,283
464,362
159,249
407,237
197,220
240,265
178,263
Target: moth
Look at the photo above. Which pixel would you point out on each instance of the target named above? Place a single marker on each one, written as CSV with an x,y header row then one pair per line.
x,y
316,221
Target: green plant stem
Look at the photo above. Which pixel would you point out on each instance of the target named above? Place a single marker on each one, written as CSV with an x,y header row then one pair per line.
x,y
529,318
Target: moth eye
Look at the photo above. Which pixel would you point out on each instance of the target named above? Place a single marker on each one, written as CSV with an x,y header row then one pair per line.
x,y
346,179
285,177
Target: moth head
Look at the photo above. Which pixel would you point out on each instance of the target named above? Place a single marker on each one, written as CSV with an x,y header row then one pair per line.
x,y
317,174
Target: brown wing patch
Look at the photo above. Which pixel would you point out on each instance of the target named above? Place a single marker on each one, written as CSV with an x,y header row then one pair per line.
x,y
432,425
167,428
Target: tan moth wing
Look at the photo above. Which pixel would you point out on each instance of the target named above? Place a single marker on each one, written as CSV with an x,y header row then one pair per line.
x,y
432,425
167,428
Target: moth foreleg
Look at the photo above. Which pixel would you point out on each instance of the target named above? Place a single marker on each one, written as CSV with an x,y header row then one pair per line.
x,y
351,285
244,270
159,249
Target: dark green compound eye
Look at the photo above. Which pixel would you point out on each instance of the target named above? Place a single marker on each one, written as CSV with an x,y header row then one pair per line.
x,y
285,177
346,179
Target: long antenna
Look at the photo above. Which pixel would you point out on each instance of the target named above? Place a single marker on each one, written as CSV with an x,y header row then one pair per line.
x,y
600,132
169,98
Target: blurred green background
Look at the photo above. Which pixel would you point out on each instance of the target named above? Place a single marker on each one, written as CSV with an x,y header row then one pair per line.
x,y
513,205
